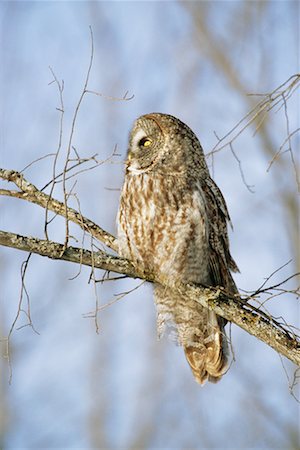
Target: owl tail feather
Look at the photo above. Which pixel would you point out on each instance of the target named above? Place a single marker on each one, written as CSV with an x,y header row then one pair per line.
x,y
212,362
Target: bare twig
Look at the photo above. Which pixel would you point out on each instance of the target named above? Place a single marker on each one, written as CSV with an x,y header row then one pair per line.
x,y
109,97
278,96
74,120
260,289
61,109
30,193
119,297
248,186
20,310
95,315
37,160
289,141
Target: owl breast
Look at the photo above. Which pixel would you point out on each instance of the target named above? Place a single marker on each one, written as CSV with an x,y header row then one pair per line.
x,y
162,227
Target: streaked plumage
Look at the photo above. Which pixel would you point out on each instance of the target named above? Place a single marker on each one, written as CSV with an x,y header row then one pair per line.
x,y
173,220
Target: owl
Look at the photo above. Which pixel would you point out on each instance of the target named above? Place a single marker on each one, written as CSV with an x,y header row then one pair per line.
x,y
172,221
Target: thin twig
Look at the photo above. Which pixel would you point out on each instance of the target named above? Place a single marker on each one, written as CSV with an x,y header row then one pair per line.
x,y
109,97
74,120
119,297
60,86
30,193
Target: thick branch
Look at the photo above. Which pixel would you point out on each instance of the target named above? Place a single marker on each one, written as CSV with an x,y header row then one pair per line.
x,y
30,193
233,309
54,250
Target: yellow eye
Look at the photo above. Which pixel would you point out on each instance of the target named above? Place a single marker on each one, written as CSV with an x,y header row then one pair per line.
x,y
145,142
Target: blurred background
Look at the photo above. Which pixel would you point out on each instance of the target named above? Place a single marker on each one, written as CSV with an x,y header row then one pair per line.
x,y
121,388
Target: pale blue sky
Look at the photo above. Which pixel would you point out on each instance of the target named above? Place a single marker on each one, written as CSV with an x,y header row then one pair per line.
x,y
67,377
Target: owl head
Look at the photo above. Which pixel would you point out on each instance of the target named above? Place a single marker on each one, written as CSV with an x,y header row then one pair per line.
x,y
160,142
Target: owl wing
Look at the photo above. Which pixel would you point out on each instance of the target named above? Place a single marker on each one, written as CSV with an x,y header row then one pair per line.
x,y
220,260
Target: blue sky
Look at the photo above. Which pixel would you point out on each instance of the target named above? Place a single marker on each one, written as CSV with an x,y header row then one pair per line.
x,y
71,387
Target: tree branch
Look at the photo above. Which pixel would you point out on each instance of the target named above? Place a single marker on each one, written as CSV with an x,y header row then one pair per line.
x,y
30,193
243,314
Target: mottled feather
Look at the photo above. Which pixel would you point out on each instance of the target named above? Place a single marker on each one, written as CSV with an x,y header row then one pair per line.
x,y
172,220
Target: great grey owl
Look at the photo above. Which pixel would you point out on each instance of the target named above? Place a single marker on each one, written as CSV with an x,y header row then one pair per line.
x,y
172,220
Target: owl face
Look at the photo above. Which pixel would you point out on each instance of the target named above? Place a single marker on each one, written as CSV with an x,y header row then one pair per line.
x,y
146,143
162,143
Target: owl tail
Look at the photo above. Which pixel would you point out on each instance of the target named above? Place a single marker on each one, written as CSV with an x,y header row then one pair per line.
x,y
211,362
